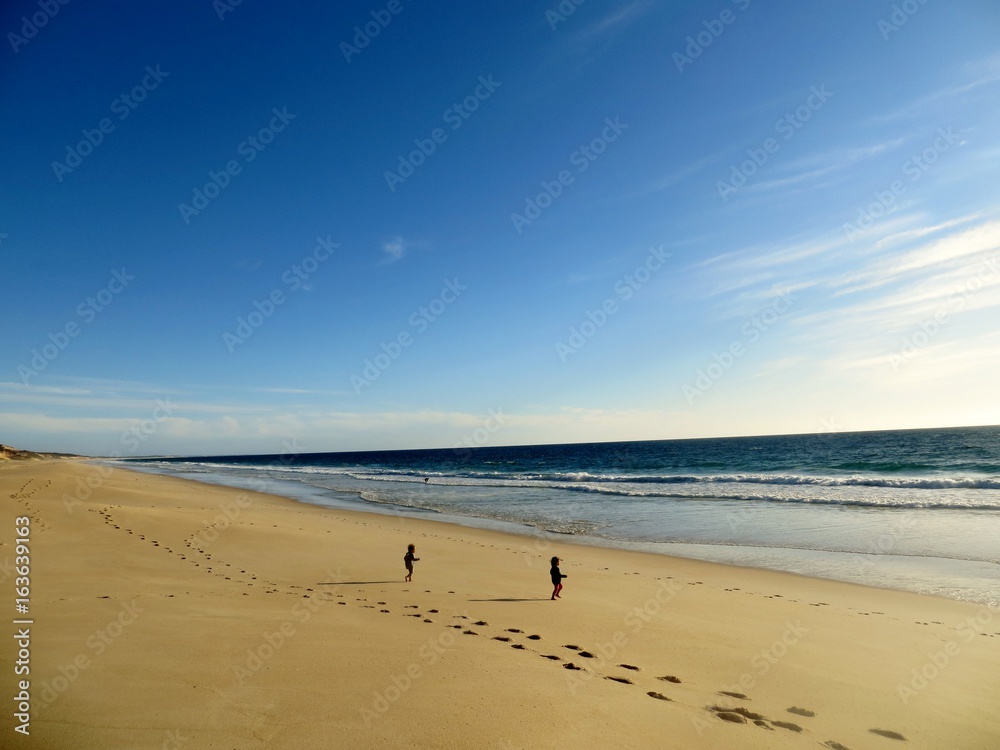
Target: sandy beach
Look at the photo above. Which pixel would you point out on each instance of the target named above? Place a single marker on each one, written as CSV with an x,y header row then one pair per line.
x,y
170,614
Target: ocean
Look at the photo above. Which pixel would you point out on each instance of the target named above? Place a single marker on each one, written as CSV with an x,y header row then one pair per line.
x,y
917,510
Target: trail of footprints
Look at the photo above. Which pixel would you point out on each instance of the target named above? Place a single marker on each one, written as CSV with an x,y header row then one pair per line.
x,y
194,555
26,491
735,714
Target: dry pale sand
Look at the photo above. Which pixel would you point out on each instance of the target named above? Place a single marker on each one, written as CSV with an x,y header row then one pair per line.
x,y
170,614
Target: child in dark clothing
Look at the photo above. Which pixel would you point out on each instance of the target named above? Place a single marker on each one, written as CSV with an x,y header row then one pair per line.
x,y
408,560
556,578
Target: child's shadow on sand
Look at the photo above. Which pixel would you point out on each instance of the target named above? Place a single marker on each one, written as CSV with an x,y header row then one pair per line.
x,y
354,583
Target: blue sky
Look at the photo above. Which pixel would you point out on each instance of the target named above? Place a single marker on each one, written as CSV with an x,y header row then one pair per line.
x,y
225,228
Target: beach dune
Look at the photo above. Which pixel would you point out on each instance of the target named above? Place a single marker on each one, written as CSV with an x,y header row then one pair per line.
x,y
171,614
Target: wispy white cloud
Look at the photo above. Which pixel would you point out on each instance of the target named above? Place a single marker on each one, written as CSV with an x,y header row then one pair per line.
x,y
615,21
913,234
815,166
301,391
951,248
676,176
757,257
978,74
393,249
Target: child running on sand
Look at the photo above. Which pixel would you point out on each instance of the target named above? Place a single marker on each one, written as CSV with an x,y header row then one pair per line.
x,y
556,579
409,559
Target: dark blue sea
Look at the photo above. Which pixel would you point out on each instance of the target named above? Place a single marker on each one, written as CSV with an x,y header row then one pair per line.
x,y
917,510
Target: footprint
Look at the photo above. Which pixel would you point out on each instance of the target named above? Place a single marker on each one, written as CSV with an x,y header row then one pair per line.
x,y
534,637
834,745
551,656
426,620
432,611
629,666
470,632
514,630
623,680
658,696
741,696
670,678
573,648
503,638
481,622
571,665
587,655
731,717
801,711
745,713
517,646
787,725
888,733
